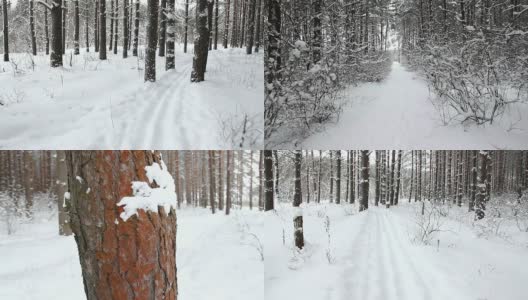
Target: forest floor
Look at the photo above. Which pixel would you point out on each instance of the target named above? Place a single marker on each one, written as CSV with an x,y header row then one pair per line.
x,y
214,251
93,104
374,255
397,113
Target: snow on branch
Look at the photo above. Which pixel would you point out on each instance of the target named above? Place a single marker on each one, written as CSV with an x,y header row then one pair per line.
x,y
48,6
148,198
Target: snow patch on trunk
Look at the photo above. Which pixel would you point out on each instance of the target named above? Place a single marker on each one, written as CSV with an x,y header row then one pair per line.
x,y
147,198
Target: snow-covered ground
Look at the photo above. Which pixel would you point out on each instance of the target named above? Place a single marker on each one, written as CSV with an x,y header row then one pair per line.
x,y
397,113
93,104
373,255
217,257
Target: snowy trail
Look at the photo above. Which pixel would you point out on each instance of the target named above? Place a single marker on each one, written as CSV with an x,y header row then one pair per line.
x,y
374,257
398,113
380,265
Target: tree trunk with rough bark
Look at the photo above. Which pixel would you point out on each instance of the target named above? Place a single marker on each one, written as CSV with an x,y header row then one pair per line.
x,y
121,258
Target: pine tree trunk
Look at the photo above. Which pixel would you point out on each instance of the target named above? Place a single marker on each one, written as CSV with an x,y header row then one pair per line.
x,y
76,22
398,178
268,180
227,11
331,176
480,203
338,176
96,26
64,14
258,18
120,259
251,27
6,30
220,180
152,40
261,171
61,185
125,28
186,26
364,180
212,186
136,30
215,43
102,29
297,200
56,34
171,34
112,27
228,182
163,28
116,27
28,181
177,180
317,36
32,27
391,193
46,31
188,170
378,176
251,179
200,42
87,26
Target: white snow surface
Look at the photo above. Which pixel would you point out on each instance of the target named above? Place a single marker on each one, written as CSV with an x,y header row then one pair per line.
x,y
147,198
372,257
215,259
93,104
397,113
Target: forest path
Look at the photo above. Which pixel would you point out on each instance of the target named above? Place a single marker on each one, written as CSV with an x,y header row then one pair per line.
x,y
166,116
381,265
398,113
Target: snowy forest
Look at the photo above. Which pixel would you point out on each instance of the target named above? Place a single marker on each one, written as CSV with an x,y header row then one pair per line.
x,y
393,224
132,69
107,220
457,69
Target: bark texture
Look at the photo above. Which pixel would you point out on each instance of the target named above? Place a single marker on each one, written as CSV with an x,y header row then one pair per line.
x,y
133,259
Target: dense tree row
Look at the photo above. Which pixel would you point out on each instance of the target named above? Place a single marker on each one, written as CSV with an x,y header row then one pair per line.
x,y
220,180
113,25
473,53
337,176
314,49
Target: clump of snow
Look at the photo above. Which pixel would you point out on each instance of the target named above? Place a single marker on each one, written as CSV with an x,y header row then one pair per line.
x,y
147,198
301,45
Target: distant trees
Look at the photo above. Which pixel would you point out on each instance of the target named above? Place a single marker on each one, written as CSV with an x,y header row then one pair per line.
x,y
123,23
416,175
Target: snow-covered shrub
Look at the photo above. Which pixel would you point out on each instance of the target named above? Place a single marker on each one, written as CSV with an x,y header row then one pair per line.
x,y
310,89
429,221
475,78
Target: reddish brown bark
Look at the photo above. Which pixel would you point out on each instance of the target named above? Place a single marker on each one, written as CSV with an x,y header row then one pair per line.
x,y
120,260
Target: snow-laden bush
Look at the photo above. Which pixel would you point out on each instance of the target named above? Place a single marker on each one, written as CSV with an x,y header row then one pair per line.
x,y
429,220
474,79
310,89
